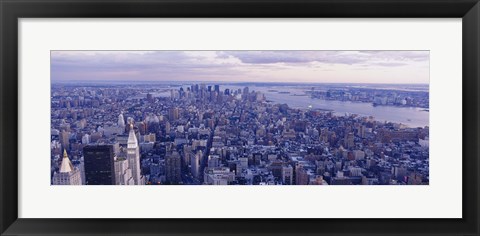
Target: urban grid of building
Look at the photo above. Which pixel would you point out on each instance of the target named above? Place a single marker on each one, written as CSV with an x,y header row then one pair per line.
x,y
201,134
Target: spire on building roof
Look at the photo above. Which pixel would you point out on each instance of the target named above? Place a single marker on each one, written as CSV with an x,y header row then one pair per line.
x,y
132,138
66,165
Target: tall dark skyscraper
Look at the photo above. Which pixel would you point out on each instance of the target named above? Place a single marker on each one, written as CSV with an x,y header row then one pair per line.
x,y
99,165
172,168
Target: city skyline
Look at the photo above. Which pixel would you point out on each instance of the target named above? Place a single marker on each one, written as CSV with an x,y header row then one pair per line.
x,y
210,134
375,67
239,118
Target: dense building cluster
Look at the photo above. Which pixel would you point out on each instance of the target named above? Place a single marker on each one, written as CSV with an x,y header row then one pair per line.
x,y
375,96
216,135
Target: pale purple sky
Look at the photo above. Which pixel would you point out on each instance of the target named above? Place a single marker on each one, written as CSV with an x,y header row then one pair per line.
x,y
243,66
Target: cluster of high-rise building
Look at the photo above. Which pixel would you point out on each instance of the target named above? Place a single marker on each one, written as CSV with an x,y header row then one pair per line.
x,y
375,96
202,134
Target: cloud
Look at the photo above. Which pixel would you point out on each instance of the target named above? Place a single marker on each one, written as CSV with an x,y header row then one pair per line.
x,y
128,65
234,65
398,55
390,64
270,57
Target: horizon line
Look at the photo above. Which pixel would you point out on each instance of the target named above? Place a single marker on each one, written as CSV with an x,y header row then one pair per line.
x,y
224,82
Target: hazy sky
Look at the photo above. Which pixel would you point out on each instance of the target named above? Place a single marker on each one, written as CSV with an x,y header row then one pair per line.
x,y
248,66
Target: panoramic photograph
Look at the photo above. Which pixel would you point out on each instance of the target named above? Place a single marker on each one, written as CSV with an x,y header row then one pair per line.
x,y
239,117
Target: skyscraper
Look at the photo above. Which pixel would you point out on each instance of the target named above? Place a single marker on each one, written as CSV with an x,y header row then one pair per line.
x,y
123,174
301,176
172,167
121,121
133,156
99,167
195,164
167,127
173,114
68,174
361,131
245,93
287,175
349,140
65,139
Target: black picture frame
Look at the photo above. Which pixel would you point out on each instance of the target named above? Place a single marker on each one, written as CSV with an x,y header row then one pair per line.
x,y
12,10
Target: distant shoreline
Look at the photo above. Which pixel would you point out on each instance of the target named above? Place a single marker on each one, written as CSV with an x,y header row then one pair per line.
x,y
223,82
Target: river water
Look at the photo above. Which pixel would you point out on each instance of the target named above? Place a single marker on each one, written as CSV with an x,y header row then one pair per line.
x,y
410,116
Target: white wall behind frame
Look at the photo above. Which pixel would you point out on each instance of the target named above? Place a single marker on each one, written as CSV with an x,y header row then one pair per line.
x,y
441,199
